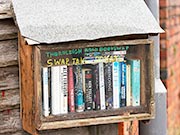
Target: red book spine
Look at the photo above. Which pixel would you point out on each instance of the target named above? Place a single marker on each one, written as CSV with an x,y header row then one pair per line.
x,y
71,89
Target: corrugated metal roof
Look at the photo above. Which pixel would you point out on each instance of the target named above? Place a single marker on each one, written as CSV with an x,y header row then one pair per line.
x,y
50,21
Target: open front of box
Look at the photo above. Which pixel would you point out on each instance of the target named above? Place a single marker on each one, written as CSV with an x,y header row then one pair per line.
x,y
79,84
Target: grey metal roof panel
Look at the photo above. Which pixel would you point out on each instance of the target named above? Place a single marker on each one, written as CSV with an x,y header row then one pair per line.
x,y
50,21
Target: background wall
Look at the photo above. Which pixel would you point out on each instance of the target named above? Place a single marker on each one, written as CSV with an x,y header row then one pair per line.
x,y
170,60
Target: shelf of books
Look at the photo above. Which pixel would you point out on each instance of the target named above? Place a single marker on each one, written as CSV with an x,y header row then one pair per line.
x,y
90,83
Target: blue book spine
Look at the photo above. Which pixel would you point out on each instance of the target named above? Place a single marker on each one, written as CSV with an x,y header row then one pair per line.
x,y
123,84
79,95
135,81
116,84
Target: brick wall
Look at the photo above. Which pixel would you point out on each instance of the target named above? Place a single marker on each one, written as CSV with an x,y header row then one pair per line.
x,y
170,60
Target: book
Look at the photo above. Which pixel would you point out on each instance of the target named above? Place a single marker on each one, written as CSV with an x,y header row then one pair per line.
x,y
128,85
78,86
116,84
96,92
101,86
64,89
123,84
45,91
108,85
71,89
87,88
55,91
135,81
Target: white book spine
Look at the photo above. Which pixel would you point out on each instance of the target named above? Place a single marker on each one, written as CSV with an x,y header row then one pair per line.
x,y
116,84
45,92
64,89
55,90
128,85
101,86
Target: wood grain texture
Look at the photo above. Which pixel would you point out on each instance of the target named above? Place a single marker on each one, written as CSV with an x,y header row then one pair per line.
x,y
5,9
10,121
16,133
70,131
8,29
9,78
26,86
8,51
9,99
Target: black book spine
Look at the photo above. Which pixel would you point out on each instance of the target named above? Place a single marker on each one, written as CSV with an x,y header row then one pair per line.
x,y
108,85
96,91
88,90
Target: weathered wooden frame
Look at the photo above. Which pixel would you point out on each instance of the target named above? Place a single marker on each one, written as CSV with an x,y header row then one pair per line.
x,y
30,82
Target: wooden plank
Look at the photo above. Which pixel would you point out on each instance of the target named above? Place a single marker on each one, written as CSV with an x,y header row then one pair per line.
x,y
8,29
26,86
9,78
99,113
5,9
16,133
9,99
93,121
8,51
94,43
10,121
69,131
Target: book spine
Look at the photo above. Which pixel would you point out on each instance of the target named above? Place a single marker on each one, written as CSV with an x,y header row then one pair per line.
x,y
71,89
108,85
45,92
88,90
79,96
64,100
128,85
55,91
101,86
116,84
49,88
135,82
96,92
123,84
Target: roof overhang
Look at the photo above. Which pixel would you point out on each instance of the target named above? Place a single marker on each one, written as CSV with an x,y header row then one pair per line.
x,y
51,21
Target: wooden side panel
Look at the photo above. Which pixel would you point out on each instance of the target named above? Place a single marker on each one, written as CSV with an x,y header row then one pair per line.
x,y
9,78
10,121
26,85
17,133
5,10
8,51
9,99
8,29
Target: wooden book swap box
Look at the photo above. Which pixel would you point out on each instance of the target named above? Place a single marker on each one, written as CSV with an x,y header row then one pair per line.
x,y
100,95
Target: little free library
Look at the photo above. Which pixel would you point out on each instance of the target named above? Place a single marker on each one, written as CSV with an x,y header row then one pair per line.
x,y
85,62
